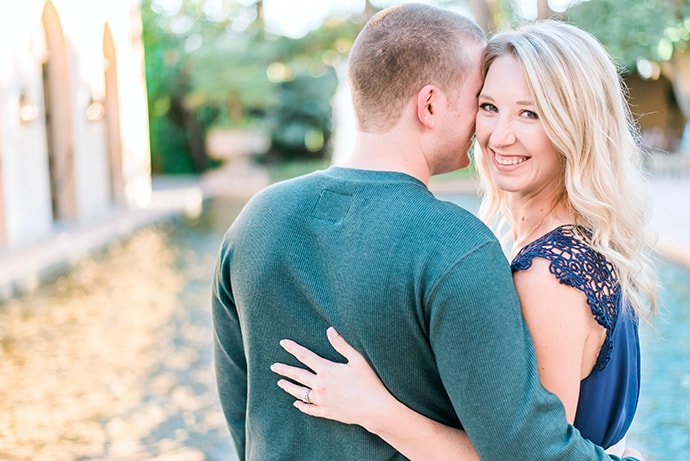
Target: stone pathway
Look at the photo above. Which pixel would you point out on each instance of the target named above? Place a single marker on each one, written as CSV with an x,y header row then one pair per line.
x,y
114,360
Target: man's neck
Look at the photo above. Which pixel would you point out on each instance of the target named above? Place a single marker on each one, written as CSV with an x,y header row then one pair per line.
x,y
388,152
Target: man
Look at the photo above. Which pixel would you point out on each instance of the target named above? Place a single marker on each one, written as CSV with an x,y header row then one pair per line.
x,y
420,286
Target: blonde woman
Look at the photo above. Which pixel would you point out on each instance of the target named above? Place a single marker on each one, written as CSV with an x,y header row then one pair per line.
x,y
560,166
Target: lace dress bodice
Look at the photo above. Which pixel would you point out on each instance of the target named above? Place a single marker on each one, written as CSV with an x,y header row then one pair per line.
x,y
608,396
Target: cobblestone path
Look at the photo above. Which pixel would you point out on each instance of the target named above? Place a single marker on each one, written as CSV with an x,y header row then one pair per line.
x,y
114,360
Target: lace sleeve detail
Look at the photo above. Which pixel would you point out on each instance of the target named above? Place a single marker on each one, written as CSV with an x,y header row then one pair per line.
x,y
574,263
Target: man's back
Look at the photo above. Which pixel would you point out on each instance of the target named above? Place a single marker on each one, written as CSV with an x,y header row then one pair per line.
x,y
375,255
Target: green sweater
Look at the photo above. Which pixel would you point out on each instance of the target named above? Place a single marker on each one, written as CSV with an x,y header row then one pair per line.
x,y
419,286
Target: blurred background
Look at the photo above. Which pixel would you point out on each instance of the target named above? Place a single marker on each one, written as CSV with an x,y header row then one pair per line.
x,y
274,66
133,131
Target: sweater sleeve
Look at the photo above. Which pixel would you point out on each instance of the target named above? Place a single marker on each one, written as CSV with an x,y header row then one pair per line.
x,y
487,363
230,361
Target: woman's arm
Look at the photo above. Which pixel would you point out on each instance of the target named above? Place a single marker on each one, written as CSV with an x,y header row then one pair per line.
x,y
352,393
566,337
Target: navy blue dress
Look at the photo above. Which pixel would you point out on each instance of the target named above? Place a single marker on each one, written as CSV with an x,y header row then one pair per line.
x,y
609,395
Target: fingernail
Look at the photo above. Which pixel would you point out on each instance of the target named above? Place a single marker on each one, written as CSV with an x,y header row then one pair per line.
x,y
331,331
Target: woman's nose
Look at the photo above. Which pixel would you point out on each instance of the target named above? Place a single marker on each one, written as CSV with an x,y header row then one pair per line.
x,y
502,133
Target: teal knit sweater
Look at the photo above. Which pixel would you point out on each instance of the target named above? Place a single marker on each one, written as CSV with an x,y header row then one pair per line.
x,y
419,286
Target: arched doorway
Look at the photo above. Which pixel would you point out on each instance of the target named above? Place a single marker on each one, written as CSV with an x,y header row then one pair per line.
x,y
112,118
56,85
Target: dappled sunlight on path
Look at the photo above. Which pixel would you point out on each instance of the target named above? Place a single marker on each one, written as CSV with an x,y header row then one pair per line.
x,y
113,361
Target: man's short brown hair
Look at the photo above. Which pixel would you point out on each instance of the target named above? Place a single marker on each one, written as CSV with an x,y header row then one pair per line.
x,y
400,50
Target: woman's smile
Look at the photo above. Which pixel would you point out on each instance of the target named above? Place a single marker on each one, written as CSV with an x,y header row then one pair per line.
x,y
509,160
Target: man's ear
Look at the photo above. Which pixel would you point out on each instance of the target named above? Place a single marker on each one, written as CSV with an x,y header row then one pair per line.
x,y
428,105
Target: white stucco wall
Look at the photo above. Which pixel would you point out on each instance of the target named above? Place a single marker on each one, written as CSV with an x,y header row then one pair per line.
x,y
25,179
26,184
28,213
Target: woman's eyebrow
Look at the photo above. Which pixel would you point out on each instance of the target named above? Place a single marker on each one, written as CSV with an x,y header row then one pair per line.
x,y
527,102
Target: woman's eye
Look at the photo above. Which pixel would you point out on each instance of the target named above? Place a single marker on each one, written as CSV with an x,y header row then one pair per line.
x,y
488,106
531,114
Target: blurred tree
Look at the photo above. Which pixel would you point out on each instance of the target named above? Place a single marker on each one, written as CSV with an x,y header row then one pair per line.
x,y
211,62
304,69
544,10
483,11
644,34
173,33
491,15
229,74
301,127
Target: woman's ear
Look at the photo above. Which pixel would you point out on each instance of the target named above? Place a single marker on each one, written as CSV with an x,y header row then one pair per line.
x,y
428,105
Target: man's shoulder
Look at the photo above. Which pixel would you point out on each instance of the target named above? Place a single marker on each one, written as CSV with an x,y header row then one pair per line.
x,y
449,218
286,190
296,182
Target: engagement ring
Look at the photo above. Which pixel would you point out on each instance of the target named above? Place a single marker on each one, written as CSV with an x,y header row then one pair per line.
x,y
305,398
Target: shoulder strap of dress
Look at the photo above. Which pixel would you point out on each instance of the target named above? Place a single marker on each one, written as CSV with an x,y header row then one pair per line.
x,y
575,263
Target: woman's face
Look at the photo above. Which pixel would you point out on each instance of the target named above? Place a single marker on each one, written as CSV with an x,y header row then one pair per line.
x,y
521,159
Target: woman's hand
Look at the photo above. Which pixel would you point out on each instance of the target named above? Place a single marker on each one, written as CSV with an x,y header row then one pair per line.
x,y
352,393
349,392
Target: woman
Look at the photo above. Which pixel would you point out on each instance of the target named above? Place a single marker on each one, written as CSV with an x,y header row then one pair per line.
x,y
560,166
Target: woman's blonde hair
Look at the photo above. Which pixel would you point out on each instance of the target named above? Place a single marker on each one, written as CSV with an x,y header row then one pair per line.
x,y
582,103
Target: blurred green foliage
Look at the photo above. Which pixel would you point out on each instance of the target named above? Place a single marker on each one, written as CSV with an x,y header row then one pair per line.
x,y
211,63
218,67
636,29
301,124
229,74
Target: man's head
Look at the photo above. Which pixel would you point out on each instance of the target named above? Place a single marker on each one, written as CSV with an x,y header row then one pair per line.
x,y
402,49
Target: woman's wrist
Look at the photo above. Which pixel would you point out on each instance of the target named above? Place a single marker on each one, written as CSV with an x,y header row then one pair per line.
x,y
411,432
383,416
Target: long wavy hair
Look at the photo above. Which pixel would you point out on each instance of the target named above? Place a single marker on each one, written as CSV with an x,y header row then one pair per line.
x,y
582,104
